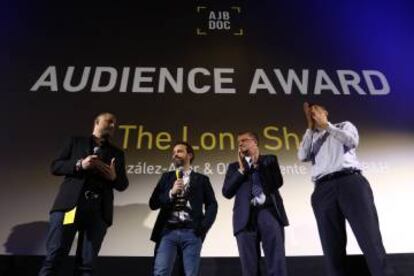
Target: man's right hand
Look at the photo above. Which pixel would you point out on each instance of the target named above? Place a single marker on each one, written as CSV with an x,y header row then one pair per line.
x,y
178,187
240,157
90,162
308,115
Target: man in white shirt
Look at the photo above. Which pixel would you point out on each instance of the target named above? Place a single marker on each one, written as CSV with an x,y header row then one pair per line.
x,y
341,193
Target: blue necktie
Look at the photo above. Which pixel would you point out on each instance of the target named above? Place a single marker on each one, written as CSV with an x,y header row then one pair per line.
x,y
317,146
257,188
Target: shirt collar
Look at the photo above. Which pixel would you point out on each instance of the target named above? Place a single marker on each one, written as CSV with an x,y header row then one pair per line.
x,y
188,172
249,160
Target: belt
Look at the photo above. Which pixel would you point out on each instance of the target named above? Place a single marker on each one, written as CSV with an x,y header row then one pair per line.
x,y
179,225
265,205
91,195
336,175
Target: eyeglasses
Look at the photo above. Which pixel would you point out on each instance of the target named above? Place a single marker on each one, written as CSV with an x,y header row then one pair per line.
x,y
245,140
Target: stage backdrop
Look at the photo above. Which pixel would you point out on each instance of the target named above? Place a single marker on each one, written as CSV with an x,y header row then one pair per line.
x,y
202,71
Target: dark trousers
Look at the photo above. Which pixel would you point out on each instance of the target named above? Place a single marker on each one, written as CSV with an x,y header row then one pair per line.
x,y
265,228
348,197
92,229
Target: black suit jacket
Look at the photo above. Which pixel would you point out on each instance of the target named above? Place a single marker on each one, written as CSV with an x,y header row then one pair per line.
x,y
70,190
201,192
240,186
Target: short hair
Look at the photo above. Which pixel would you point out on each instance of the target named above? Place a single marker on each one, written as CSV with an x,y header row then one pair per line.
x,y
188,148
101,114
251,134
320,105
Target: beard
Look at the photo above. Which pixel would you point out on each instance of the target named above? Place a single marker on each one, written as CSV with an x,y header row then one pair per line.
x,y
107,133
178,162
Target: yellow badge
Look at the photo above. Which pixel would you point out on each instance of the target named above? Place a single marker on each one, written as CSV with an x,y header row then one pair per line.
x,y
69,217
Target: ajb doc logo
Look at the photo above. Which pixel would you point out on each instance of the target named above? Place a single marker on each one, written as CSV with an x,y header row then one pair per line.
x,y
219,19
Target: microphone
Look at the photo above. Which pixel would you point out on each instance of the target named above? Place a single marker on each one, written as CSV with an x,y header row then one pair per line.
x,y
179,172
101,153
98,151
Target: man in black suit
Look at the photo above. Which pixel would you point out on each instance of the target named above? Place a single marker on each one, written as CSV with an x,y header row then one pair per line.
x,y
92,167
181,225
258,213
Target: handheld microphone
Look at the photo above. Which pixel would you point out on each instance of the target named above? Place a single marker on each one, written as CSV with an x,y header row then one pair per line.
x,y
102,154
179,173
97,151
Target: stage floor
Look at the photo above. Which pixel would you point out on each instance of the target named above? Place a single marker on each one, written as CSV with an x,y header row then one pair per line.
x,y
11,265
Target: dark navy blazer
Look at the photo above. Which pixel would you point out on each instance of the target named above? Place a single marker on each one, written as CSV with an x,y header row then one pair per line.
x,y
200,193
240,186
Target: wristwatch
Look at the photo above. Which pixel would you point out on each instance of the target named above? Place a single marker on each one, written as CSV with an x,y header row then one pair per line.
x,y
78,165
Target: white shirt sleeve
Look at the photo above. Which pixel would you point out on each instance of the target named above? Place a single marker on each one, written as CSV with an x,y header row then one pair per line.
x,y
304,152
347,135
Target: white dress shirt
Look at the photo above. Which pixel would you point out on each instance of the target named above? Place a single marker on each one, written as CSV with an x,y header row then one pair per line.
x,y
336,153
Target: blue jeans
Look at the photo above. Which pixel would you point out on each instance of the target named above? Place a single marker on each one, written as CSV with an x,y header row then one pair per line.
x,y
184,240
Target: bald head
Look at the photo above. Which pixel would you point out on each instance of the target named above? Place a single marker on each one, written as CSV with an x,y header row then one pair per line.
x,y
104,126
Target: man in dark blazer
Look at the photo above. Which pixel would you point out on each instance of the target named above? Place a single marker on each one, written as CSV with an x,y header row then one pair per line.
x,y
258,213
181,225
92,168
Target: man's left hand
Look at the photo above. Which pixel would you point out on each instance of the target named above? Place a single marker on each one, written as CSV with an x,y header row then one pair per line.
x,y
107,171
320,118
